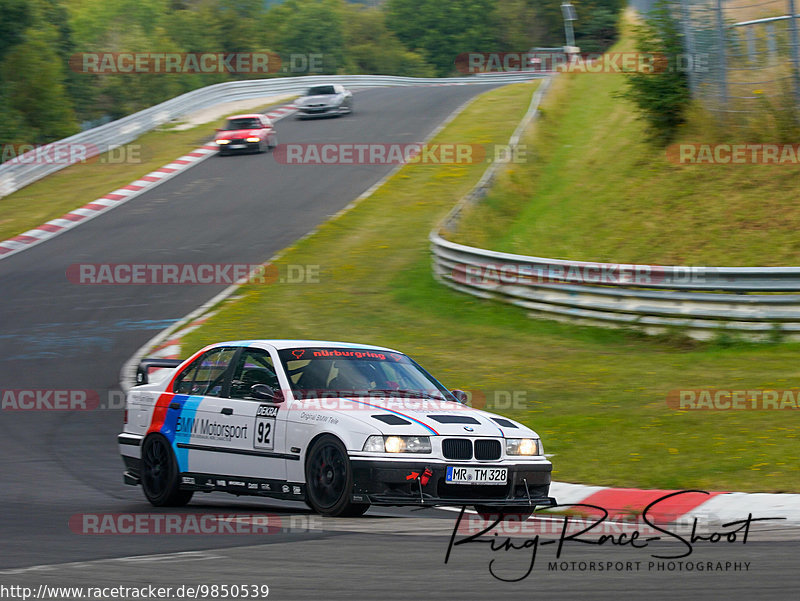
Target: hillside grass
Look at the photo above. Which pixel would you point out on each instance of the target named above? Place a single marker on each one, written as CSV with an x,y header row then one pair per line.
x,y
593,188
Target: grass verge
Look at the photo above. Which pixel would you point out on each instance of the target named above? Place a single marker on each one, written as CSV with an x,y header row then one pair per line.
x,y
595,189
597,397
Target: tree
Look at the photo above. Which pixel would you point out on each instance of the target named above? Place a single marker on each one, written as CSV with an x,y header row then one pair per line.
x,y
519,25
33,77
440,31
662,97
14,130
309,27
15,18
371,48
92,19
597,31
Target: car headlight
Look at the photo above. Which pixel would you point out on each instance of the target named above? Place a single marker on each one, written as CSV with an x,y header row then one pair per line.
x,y
522,446
252,139
223,141
398,444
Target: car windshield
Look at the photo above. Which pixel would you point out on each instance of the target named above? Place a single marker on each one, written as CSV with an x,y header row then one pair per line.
x,y
242,123
320,91
341,372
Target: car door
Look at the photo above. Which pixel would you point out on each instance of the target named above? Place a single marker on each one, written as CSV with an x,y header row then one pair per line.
x,y
200,418
260,454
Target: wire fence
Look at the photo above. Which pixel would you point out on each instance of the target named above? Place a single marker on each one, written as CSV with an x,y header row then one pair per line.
x,y
742,56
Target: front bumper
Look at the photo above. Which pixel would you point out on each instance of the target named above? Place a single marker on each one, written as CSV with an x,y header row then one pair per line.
x,y
318,111
239,146
133,470
387,482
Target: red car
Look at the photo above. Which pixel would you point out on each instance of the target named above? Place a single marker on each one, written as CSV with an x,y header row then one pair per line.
x,y
246,133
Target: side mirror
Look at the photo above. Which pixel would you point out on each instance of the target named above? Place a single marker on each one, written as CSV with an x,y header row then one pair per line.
x,y
460,395
263,392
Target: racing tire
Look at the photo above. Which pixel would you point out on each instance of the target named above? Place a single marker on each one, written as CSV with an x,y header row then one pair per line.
x,y
160,480
329,479
487,512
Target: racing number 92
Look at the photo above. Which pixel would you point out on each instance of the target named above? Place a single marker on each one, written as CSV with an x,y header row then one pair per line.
x,y
263,433
265,427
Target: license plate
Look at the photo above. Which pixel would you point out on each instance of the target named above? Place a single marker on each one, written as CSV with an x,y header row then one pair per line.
x,y
476,475
239,146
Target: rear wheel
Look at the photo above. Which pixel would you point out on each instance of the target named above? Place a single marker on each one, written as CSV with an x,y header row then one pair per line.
x,y
329,479
160,481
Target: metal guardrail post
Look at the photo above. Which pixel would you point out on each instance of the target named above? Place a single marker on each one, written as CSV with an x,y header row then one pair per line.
x,y
689,45
722,55
795,50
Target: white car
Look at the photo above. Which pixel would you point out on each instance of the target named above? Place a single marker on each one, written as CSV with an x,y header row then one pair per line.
x,y
340,426
324,100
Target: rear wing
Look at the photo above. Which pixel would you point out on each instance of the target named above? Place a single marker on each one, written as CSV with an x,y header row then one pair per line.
x,y
145,365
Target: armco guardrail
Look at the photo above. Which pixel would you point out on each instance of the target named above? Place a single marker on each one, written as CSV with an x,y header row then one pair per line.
x,y
17,174
755,301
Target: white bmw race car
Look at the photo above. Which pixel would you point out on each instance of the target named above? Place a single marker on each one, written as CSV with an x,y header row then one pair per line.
x,y
340,426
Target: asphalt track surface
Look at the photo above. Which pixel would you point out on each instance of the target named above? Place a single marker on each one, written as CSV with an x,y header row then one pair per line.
x,y
62,336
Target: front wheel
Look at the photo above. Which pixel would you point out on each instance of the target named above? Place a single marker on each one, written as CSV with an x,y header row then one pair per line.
x,y
329,479
160,481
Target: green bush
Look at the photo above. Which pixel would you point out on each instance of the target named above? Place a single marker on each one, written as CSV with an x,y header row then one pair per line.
x,y
663,96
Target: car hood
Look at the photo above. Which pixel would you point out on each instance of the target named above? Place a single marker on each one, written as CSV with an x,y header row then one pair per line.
x,y
230,134
424,417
